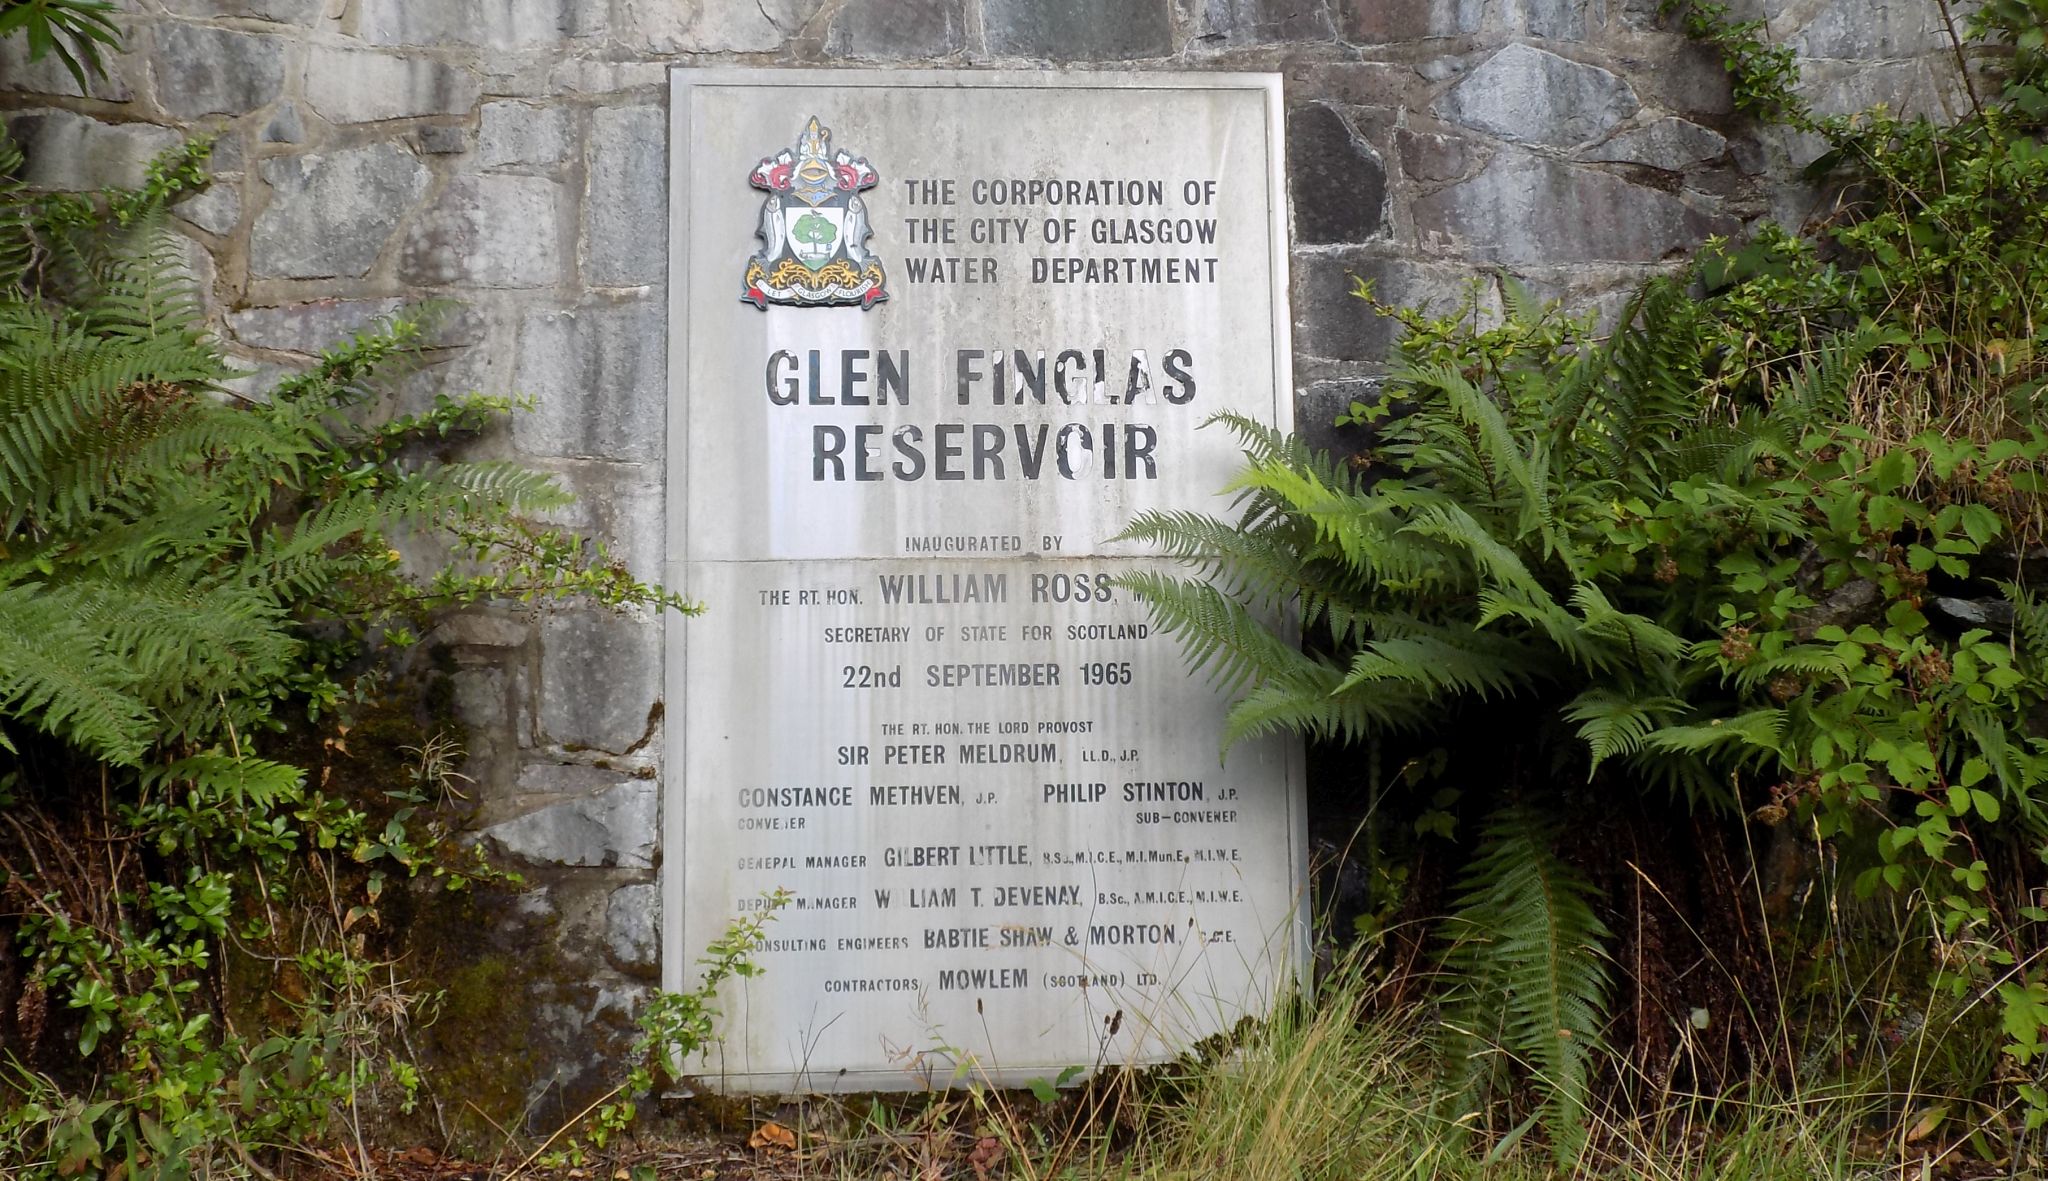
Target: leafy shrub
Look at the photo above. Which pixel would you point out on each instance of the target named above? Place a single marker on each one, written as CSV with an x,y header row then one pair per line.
x,y
1553,542
187,584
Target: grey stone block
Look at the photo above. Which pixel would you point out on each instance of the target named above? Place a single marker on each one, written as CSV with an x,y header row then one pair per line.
x,y
632,925
49,77
285,126
217,209
72,153
712,26
480,698
1439,69
1338,184
442,140
613,828
1079,30
330,215
1562,20
481,629
625,208
638,533
1332,323
228,155
1317,409
1386,85
1527,94
1426,156
491,24
600,679
195,266
1380,22
1689,80
1528,210
584,76
518,134
624,504
290,12
1251,22
308,327
204,71
1907,88
567,778
483,704
477,357
598,374
491,231
883,30
1647,14
360,86
1669,144
1872,30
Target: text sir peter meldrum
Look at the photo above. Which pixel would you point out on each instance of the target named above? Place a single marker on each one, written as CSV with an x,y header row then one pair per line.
x,y
1029,386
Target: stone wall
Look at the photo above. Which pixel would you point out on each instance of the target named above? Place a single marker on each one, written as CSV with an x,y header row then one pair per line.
x,y
509,156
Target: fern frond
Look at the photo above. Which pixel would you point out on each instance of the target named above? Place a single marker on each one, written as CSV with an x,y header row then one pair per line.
x,y
1805,661
1522,305
1652,392
1819,391
1548,618
145,292
1433,668
1525,953
17,246
55,675
1746,737
180,639
2030,618
1218,634
245,783
2017,776
1615,725
78,413
1499,565
1263,563
1635,639
1514,483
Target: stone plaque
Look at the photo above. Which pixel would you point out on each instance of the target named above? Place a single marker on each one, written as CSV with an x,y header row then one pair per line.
x,y
935,339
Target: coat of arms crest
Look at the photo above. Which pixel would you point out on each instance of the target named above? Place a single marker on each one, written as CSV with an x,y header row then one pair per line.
x,y
814,228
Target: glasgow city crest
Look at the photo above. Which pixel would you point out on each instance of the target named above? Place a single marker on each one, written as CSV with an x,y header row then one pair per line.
x,y
814,228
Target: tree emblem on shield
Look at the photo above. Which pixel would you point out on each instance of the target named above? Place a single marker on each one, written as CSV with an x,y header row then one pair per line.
x,y
814,228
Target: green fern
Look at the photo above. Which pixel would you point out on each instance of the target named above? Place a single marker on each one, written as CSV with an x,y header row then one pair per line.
x,y
1614,725
17,247
1524,949
161,550
1538,542
55,675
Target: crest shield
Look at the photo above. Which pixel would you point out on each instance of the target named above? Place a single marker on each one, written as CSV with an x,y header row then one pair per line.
x,y
813,235
814,228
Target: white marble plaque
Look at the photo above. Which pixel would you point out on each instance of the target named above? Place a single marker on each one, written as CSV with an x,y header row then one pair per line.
x,y
936,337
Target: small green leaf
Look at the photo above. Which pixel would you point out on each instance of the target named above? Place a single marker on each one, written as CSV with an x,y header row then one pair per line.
x,y
1981,524
1893,472
1885,514
1906,618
